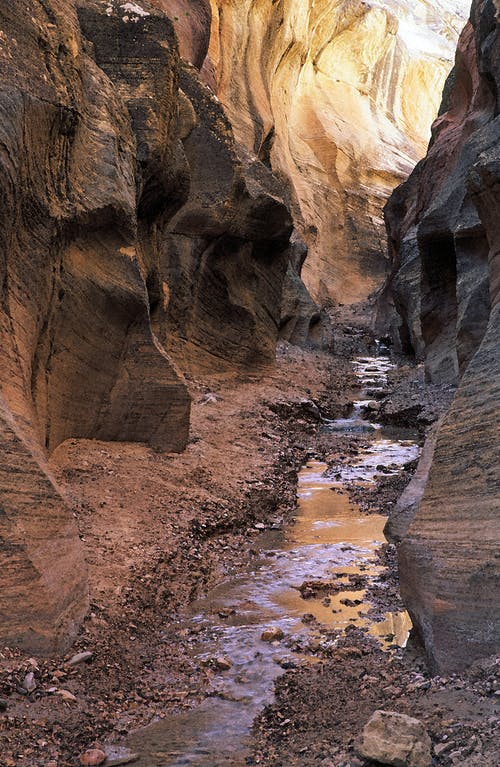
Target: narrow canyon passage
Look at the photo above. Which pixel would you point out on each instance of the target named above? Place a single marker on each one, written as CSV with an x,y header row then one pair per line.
x,y
249,383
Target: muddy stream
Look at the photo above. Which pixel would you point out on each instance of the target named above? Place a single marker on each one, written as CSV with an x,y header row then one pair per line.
x,y
328,542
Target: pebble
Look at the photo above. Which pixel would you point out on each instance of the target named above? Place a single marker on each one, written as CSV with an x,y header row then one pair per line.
x,y
66,695
81,657
273,634
29,682
92,758
308,618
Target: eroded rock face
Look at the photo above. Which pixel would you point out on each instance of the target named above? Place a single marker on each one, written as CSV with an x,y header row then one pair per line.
x,y
337,98
192,21
114,184
445,236
224,255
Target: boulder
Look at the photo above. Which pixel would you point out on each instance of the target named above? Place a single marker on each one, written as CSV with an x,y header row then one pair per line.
x,y
395,739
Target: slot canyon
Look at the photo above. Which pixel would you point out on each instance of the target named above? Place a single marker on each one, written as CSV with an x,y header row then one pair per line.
x,y
249,383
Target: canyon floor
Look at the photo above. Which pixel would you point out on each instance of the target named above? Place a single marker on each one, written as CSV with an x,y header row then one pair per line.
x,y
161,529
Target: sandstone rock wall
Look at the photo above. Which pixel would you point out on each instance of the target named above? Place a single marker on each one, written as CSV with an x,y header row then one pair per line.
x,y
445,238
129,226
337,97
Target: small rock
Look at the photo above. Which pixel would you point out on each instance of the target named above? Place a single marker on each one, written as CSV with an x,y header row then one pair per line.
x,y
226,612
222,663
66,695
3,704
273,634
210,397
260,526
29,682
311,409
395,739
81,657
93,757
308,618
442,748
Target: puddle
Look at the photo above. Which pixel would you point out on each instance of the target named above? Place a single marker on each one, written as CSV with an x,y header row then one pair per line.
x,y
329,542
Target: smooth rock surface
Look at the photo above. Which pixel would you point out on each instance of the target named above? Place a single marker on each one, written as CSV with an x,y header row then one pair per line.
x,y
445,240
338,99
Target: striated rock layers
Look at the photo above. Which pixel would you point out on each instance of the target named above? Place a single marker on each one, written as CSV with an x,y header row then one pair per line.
x,y
445,240
128,226
337,97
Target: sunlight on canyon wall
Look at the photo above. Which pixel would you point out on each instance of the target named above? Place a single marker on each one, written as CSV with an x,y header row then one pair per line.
x,y
338,97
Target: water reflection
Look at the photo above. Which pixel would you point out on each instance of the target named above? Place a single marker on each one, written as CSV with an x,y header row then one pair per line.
x,y
315,571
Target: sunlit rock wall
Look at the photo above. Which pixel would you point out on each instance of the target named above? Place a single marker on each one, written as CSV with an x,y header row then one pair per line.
x,y
338,97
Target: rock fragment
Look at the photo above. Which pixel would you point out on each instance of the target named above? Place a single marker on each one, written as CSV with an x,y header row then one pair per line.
x,y
29,682
81,657
273,634
222,663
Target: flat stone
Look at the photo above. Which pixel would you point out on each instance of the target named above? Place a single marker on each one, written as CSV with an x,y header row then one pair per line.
x,y
117,755
395,739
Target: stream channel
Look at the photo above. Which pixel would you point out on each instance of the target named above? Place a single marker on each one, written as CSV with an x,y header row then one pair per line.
x,y
329,539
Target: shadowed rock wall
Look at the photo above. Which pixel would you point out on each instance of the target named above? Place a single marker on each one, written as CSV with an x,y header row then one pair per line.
x,y
337,97
445,241
115,183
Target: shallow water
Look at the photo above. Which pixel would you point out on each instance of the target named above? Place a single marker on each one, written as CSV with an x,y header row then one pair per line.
x,y
329,540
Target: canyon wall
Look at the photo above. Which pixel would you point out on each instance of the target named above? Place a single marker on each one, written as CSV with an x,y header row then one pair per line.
x,y
133,240
445,248
336,97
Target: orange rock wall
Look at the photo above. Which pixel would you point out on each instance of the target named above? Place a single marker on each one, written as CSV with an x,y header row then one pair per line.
x,y
338,97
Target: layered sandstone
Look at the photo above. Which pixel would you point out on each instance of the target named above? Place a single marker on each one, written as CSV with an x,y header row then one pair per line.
x,y
119,181
337,97
445,241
